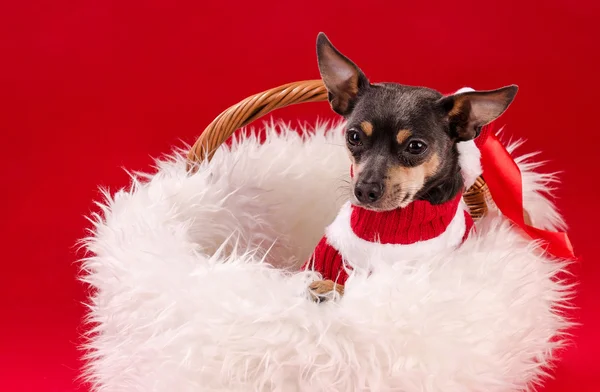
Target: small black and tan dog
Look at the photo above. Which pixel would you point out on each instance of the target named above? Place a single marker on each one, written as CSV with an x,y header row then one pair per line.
x,y
402,140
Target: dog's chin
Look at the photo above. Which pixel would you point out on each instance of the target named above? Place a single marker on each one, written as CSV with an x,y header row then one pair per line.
x,y
405,199
370,207
386,205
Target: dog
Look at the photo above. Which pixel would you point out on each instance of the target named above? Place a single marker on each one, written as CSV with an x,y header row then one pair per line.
x,y
402,142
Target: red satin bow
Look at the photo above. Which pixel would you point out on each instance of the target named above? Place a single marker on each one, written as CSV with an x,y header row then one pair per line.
x,y
503,179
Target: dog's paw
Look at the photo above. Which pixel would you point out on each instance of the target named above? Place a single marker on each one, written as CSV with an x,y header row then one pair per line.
x,y
324,290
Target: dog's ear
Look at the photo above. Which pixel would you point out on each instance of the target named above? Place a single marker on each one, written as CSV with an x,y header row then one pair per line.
x,y
341,76
469,111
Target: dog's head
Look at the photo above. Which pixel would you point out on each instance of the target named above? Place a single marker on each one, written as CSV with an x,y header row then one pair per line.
x,y
402,139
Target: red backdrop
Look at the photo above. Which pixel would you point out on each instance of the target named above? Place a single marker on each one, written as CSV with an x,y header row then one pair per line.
x,y
89,87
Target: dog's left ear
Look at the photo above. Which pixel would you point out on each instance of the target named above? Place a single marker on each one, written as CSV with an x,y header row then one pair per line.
x,y
342,78
468,112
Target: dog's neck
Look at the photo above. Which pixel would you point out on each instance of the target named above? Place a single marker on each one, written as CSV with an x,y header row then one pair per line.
x,y
421,220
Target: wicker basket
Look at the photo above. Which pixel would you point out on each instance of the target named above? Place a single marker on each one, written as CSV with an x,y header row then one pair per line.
x,y
258,105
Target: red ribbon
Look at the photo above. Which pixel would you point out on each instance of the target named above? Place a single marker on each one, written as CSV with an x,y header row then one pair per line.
x,y
503,178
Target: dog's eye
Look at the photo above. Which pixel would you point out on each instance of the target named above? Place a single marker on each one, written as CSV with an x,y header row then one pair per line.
x,y
353,137
416,147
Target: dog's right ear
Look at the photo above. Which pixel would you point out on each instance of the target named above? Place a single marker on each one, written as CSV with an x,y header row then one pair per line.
x,y
343,79
468,111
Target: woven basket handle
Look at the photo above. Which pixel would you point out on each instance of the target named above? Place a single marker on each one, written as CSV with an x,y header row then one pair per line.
x,y
250,109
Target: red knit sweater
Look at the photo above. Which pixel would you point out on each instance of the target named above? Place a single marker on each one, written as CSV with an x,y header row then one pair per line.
x,y
398,230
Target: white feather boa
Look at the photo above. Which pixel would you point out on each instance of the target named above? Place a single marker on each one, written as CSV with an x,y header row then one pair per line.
x,y
184,297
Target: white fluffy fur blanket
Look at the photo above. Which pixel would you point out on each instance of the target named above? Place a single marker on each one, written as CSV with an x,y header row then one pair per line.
x,y
185,297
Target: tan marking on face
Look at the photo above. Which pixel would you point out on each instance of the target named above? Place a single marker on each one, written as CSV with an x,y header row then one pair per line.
x,y
431,165
367,128
357,169
402,181
402,135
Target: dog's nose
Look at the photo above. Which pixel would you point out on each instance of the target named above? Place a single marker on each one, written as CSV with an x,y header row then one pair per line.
x,y
368,192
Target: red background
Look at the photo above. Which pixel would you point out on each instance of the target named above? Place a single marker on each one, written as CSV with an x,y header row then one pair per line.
x,y
89,87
